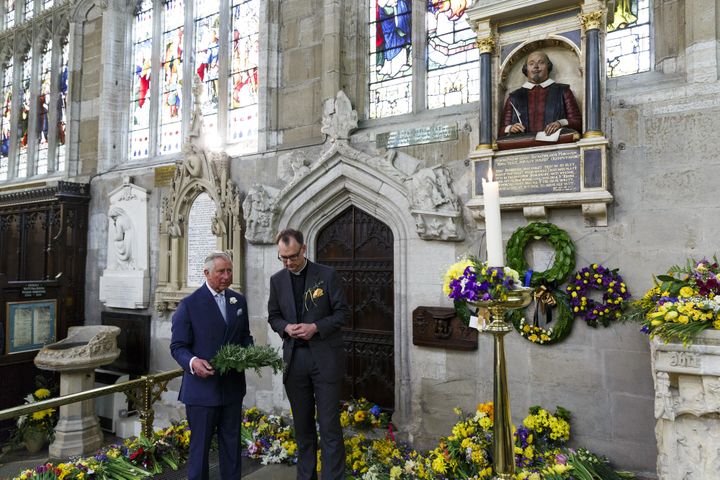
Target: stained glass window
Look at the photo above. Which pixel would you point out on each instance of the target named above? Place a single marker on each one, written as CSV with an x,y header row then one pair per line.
x,y
47,4
243,91
24,118
140,105
207,65
627,43
390,62
229,93
453,76
43,105
172,77
9,14
61,108
29,5
6,111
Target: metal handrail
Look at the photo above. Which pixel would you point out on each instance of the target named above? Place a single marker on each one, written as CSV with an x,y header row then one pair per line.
x,y
143,391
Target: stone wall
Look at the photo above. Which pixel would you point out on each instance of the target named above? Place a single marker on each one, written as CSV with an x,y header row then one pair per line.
x,y
664,171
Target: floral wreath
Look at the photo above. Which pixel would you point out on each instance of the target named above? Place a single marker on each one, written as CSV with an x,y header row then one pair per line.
x,y
545,336
615,294
564,252
544,281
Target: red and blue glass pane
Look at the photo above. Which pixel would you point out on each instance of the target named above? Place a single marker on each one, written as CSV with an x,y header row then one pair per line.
x,y
24,118
453,76
61,109
142,62
390,58
43,104
243,95
6,92
172,70
207,46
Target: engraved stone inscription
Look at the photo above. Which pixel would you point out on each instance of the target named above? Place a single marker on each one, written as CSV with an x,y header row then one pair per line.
x,y
536,173
684,359
417,136
200,238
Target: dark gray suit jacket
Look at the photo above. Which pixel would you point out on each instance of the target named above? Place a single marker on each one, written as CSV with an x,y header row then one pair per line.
x,y
327,309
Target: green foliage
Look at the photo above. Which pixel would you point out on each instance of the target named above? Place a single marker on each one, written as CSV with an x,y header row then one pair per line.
x,y
239,358
555,236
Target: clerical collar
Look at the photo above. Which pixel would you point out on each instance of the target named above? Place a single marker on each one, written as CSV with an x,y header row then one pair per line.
x,y
213,292
299,272
545,84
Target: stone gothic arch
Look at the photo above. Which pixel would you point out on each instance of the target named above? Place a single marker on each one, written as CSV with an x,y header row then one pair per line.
x,y
351,177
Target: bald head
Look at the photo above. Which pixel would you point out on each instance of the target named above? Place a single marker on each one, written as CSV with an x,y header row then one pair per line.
x,y
537,67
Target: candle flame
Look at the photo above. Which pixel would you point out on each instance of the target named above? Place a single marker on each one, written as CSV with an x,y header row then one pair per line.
x,y
490,175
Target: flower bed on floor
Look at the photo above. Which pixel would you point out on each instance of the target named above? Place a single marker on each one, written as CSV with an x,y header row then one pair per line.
x,y
541,450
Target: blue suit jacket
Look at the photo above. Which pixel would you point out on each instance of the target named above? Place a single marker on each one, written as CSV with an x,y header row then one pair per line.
x,y
198,330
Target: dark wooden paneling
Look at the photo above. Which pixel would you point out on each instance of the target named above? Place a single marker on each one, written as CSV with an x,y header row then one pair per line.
x,y
43,236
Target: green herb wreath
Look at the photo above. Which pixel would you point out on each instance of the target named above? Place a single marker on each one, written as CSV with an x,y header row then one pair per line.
x,y
560,329
555,236
239,358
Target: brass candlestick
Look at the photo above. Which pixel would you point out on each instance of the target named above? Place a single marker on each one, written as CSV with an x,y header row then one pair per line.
x,y
503,451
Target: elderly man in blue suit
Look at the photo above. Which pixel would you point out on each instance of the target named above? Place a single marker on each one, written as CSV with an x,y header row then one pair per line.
x,y
209,318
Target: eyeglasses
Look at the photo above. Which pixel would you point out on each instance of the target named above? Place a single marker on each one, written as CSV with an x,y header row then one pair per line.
x,y
290,258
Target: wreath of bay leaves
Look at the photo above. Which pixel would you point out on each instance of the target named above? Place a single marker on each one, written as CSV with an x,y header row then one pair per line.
x,y
552,278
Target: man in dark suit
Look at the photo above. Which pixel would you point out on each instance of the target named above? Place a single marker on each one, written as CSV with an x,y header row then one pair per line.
x,y
209,318
307,308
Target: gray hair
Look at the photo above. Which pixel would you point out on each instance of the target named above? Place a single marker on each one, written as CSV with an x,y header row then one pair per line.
x,y
210,260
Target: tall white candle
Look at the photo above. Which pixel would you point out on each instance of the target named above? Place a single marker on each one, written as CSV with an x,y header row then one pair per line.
x,y
493,225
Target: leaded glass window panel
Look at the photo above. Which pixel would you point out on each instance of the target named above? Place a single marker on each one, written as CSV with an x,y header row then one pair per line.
x,y
9,14
207,46
453,76
142,62
243,94
229,85
29,5
43,104
7,85
627,43
172,80
390,61
62,85
24,118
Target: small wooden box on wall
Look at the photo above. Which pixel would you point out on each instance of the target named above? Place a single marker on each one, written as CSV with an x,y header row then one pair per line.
x,y
441,327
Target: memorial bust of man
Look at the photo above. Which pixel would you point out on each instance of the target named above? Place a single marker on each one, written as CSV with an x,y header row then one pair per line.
x,y
541,104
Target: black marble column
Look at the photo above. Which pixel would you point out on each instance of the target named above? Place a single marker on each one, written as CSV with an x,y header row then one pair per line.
x,y
485,100
592,82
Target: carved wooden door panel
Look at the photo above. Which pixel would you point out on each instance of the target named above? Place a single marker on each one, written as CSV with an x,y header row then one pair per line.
x,y
360,248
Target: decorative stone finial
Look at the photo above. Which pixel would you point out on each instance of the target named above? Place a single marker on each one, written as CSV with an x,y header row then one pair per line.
x,y
339,118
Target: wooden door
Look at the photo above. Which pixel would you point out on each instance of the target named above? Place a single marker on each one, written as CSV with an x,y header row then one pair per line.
x,y
360,248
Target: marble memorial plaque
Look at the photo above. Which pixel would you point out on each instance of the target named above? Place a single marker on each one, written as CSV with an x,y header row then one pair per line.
x,y
200,239
417,136
555,171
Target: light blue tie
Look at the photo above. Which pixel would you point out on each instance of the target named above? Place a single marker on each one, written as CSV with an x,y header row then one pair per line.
x,y
220,300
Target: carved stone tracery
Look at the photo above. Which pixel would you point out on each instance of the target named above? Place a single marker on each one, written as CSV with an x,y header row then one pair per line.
x,y
200,170
434,206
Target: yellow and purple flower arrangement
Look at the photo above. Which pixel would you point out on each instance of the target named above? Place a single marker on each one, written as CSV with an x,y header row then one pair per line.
x,y
682,303
541,451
